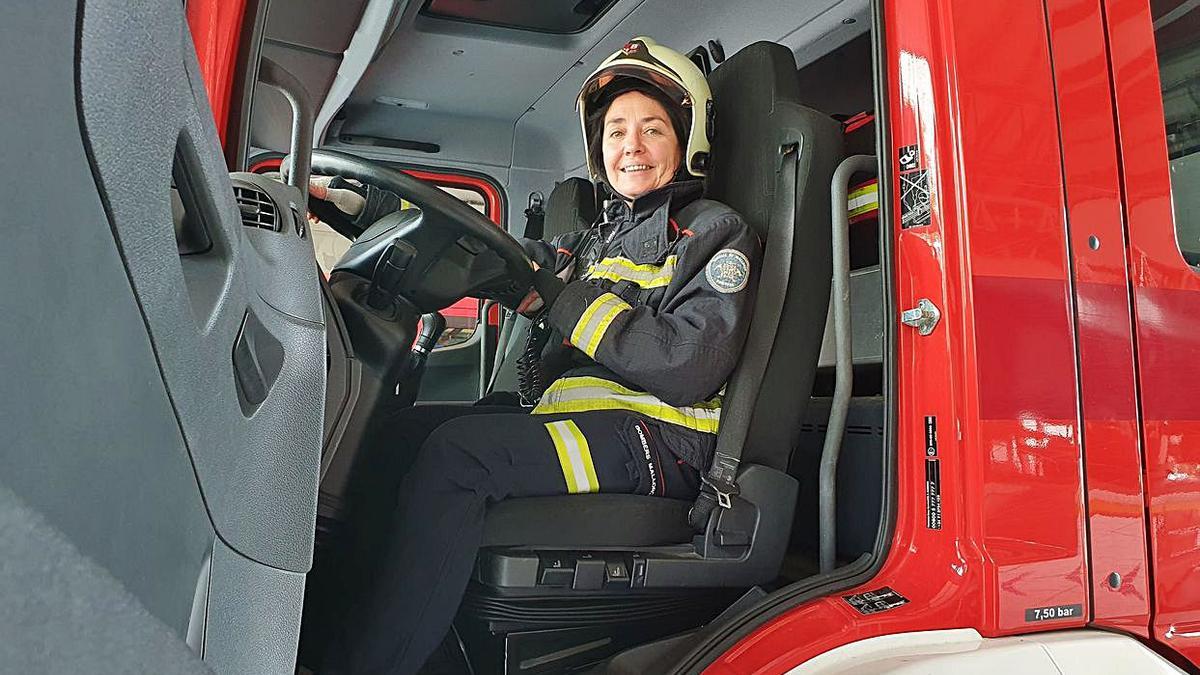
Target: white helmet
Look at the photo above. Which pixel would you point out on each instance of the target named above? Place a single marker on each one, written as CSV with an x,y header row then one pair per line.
x,y
669,71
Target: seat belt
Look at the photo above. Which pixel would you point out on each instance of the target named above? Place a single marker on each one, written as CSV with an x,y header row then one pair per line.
x,y
719,484
535,216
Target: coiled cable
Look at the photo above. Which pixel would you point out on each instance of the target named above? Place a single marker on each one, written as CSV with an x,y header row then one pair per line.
x,y
530,378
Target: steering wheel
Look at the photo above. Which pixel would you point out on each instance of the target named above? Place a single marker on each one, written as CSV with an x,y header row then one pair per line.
x,y
437,206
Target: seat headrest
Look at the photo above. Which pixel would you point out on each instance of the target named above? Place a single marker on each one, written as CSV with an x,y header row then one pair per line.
x,y
571,207
747,89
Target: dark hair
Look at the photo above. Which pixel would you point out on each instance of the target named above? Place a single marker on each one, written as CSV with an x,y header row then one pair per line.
x,y
679,116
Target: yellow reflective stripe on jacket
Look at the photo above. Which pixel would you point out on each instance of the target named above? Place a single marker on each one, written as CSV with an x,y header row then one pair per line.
x,y
624,269
581,394
863,200
574,456
589,330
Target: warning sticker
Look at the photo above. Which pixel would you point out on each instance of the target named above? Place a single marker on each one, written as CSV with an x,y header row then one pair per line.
x,y
931,435
914,187
914,199
873,602
933,493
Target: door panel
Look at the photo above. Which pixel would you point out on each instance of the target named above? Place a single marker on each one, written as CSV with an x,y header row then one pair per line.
x,y
1109,431
90,441
61,612
146,119
1166,303
252,609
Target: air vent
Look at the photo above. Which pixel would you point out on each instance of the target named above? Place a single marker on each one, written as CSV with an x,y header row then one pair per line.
x,y
257,208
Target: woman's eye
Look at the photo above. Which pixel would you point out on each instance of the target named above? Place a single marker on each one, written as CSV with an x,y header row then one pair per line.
x,y
615,134
653,131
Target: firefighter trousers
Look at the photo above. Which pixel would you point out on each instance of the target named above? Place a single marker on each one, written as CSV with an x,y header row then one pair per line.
x,y
479,456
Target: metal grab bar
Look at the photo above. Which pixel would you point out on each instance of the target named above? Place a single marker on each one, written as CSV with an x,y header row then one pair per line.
x,y
298,164
844,373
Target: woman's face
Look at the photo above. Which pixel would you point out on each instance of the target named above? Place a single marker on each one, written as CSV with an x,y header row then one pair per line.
x,y
641,152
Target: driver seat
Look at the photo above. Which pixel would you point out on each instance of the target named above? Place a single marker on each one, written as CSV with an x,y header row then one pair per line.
x,y
565,545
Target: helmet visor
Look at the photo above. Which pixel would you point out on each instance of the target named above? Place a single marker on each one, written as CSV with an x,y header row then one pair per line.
x,y
594,88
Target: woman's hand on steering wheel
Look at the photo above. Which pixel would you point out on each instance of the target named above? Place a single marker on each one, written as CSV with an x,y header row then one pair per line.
x,y
440,209
347,201
550,282
532,304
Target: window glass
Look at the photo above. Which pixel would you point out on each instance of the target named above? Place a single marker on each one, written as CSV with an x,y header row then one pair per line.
x,y
330,246
462,318
1177,40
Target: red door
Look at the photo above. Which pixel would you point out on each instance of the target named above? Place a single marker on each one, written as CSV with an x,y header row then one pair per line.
x,y
1165,288
1118,572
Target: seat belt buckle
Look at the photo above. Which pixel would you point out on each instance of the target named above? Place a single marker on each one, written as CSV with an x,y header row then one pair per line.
x,y
724,500
724,490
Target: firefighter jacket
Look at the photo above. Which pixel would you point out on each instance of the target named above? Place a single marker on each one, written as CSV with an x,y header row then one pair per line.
x,y
656,313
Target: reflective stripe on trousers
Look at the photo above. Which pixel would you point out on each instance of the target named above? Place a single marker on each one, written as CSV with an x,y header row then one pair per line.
x,y
575,457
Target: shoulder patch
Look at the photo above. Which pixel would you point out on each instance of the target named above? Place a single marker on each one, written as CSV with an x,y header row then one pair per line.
x,y
728,271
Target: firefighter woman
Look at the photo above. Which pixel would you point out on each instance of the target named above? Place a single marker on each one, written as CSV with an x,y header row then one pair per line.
x,y
647,312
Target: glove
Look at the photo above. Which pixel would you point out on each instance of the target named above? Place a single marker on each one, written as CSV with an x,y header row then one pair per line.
x,y
547,286
340,193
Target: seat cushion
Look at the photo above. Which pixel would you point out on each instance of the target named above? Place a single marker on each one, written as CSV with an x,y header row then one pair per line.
x,y
587,521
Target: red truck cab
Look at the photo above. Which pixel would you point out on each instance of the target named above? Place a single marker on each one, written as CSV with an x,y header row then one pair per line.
x,y
990,463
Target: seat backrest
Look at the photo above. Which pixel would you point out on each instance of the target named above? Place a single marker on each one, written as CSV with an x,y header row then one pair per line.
x,y
571,207
757,98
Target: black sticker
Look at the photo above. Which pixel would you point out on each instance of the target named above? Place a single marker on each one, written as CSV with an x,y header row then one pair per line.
x,y
933,493
879,600
908,157
931,436
914,199
1055,612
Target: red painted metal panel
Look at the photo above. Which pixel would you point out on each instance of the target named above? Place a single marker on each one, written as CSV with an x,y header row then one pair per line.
x,y
265,165
1007,273
1119,574
994,259
216,28
1166,301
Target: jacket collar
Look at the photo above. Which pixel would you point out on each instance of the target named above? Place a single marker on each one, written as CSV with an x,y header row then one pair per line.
x,y
652,233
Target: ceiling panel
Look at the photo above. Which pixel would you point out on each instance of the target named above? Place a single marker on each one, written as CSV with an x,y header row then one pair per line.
x,y
528,81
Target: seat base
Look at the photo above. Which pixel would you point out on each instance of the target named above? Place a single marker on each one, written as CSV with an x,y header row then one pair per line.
x,y
551,635
587,521
740,547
